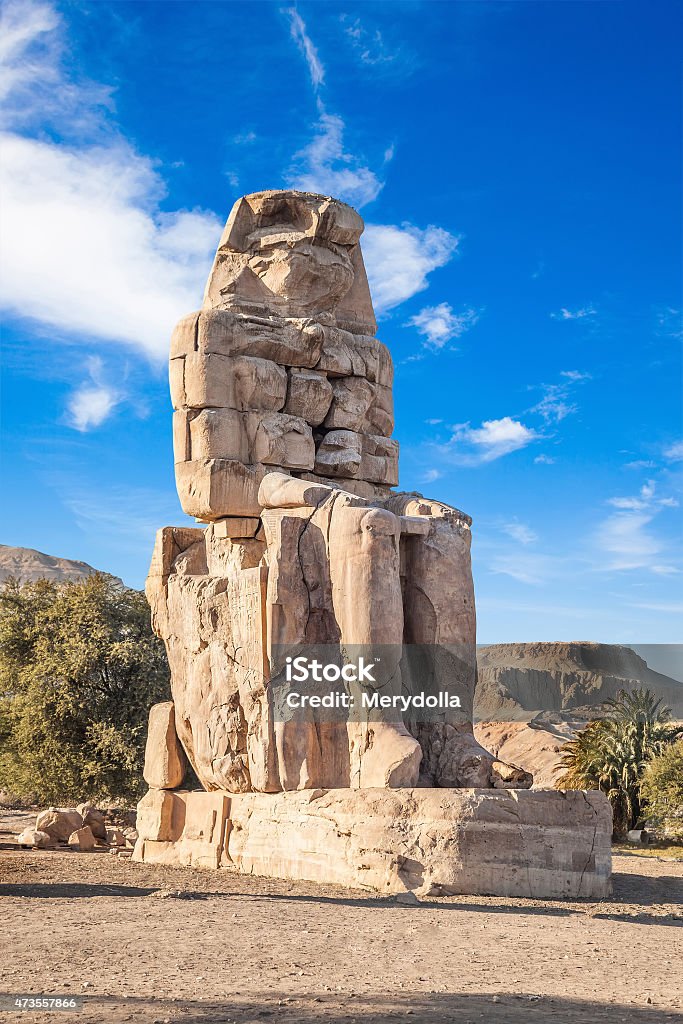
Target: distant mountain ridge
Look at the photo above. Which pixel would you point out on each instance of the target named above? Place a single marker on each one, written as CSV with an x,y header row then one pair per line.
x,y
514,679
28,565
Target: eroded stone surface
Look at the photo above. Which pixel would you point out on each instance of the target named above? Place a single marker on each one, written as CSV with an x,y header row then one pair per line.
x,y
427,841
282,427
283,344
164,757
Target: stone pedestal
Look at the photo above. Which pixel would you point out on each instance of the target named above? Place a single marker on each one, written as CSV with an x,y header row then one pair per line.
x,y
439,842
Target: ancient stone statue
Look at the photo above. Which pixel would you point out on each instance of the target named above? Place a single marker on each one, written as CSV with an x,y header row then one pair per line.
x,y
282,437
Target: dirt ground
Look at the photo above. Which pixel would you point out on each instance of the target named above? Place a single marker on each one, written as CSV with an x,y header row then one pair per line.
x,y
154,944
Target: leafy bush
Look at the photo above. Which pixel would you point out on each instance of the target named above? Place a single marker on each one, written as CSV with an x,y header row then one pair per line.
x,y
662,788
79,669
611,754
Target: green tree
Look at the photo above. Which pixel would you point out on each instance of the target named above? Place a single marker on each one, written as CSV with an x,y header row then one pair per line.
x,y
662,789
611,754
79,669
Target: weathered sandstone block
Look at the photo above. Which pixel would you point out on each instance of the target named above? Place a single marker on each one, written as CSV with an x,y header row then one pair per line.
x,y
155,815
234,382
309,395
35,839
164,758
94,819
82,840
215,488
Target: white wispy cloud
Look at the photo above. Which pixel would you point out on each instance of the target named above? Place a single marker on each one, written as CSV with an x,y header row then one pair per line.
x,y
439,324
525,567
575,375
544,460
556,403
669,323
640,464
85,247
430,475
369,43
399,259
645,499
297,28
520,532
92,403
627,536
674,452
576,314
493,439
34,86
325,167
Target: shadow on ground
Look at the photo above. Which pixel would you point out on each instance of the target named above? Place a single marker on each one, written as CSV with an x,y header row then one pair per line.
x,y
344,1008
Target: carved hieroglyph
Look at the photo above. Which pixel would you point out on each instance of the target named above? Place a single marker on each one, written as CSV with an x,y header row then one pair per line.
x,y
282,434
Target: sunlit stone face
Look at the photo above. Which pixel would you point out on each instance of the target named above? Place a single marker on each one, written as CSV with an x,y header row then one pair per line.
x,y
312,275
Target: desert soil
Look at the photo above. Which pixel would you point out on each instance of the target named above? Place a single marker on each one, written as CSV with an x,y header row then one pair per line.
x,y
154,944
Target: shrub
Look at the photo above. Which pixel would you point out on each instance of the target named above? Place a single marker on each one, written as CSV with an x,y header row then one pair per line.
x,y
79,669
662,789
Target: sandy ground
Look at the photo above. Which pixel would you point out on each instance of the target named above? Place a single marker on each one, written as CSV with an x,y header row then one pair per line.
x,y
153,944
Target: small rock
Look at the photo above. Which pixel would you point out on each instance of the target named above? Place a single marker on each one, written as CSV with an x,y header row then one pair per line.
x,y
408,898
82,840
34,838
638,835
94,818
115,837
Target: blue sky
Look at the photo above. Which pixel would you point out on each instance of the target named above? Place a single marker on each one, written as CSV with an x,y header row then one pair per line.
x,y
518,169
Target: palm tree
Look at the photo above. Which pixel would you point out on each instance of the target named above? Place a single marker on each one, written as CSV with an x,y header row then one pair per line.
x,y
611,754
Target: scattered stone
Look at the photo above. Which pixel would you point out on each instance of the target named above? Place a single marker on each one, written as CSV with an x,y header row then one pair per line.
x,y
115,837
82,840
59,822
35,839
409,898
95,819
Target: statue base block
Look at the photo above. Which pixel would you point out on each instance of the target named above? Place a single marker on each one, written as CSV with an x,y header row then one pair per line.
x,y
438,842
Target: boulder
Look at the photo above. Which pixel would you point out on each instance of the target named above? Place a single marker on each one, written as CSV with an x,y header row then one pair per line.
x,y
95,819
59,822
131,836
35,839
82,840
115,837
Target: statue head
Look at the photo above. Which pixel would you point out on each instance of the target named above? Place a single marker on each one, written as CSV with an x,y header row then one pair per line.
x,y
293,253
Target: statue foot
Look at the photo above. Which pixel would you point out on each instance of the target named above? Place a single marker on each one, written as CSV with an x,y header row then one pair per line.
x,y
388,757
453,758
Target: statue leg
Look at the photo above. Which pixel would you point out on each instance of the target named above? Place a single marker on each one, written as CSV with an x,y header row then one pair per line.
x,y
366,595
440,618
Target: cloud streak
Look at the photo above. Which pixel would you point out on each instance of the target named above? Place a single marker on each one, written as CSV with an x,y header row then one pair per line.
x,y
473,446
297,28
325,167
93,402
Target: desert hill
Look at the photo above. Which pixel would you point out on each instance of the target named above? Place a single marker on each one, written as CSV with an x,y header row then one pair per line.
x,y
532,698
516,679
28,565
